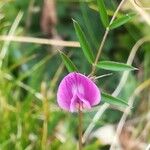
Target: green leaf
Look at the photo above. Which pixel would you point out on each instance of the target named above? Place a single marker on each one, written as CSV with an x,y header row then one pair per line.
x,y
120,21
113,100
114,66
68,63
103,12
83,42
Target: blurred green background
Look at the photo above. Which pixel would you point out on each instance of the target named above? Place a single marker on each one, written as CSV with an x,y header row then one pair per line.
x,y
30,73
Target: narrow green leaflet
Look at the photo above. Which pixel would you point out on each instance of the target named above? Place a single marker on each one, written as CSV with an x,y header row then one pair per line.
x,y
68,63
120,21
103,13
83,42
114,66
113,100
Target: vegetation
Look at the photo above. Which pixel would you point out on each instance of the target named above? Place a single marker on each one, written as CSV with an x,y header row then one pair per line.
x,y
42,41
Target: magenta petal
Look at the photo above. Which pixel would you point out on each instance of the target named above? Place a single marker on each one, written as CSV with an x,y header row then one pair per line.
x,y
86,104
73,103
76,100
76,89
91,91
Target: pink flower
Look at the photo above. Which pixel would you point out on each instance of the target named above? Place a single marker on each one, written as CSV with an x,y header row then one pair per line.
x,y
76,89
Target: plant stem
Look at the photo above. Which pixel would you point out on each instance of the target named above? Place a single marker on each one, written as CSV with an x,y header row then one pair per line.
x,y
104,38
99,51
80,127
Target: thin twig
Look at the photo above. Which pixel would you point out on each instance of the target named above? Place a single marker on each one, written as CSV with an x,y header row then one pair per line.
x,y
40,41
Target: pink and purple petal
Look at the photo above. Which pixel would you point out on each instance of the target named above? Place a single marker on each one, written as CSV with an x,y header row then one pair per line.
x,y
76,89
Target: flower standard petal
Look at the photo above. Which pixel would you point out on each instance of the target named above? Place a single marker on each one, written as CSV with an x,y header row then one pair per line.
x,y
77,89
64,94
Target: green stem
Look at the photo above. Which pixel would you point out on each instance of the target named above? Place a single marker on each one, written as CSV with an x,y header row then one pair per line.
x,y
99,51
104,39
80,127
